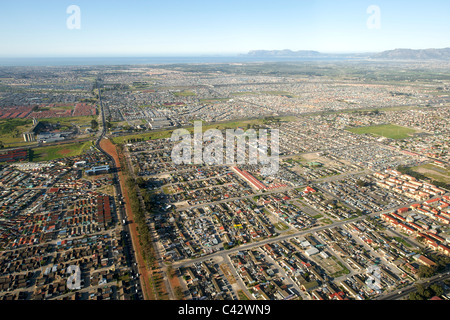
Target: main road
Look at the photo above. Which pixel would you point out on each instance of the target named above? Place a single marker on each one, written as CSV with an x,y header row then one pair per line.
x,y
121,213
407,290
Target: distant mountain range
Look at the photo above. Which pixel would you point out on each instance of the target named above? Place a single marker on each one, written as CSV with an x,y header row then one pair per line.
x,y
397,54
410,54
284,53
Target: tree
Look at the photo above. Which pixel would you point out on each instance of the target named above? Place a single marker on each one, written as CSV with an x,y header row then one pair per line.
x,y
171,271
361,183
426,272
437,290
420,289
415,296
140,182
179,293
427,293
94,124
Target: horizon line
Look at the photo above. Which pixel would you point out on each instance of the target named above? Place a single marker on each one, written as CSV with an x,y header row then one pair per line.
x,y
196,55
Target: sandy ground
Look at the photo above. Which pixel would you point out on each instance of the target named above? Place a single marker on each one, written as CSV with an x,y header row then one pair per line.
x,y
110,148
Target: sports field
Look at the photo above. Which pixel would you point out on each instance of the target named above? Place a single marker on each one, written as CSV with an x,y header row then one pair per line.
x,y
184,93
387,130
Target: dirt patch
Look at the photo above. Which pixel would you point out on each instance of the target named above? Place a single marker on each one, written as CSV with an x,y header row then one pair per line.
x,y
174,282
433,173
64,151
181,204
227,272
110,148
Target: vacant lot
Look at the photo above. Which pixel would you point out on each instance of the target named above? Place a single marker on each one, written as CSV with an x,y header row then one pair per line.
x,y
434,172
387,130
184,93
60,151
11,131
67,122
146,136
244,124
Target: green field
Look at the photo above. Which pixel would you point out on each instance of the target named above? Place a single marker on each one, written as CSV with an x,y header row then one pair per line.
x,y
213,100
279,93
434,172
68,122
11,132
387,130
60,151
244,124
184,93
242,93
146,136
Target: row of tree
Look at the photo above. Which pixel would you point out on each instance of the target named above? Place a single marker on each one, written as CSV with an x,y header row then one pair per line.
x,y
138,214
145,239
423,293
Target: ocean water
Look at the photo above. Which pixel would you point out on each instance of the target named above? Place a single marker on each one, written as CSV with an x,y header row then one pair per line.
x,y
98,61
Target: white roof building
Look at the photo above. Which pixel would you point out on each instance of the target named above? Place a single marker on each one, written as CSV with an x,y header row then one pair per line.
x,y
311,251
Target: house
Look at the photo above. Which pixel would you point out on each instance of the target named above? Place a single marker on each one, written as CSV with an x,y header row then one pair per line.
x,y
403,210
348,288
311,251
406,229
425,261
445,250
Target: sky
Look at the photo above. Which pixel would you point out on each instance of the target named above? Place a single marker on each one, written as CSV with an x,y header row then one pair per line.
x,y
44,28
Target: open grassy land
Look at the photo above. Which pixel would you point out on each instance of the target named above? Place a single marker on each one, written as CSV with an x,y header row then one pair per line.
x,y
60,151
184,93
232,124
243,93
244,124
145,136
434,172
388,130
11,132
68,122
271,93
214,100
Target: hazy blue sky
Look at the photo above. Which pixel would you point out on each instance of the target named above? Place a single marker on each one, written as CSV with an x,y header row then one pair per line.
x,y
184,27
